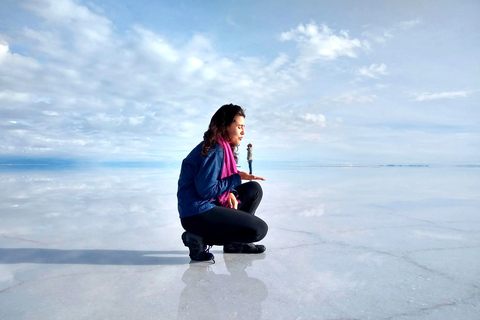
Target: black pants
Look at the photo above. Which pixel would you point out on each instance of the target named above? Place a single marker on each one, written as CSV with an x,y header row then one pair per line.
x,y
220,225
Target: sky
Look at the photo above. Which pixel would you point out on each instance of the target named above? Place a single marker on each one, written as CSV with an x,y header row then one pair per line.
x,y
335,82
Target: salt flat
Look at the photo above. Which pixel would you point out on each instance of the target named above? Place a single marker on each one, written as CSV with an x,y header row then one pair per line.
x,y
343,243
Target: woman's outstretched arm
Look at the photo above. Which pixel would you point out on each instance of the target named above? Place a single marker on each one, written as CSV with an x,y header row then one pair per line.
x,y
248,176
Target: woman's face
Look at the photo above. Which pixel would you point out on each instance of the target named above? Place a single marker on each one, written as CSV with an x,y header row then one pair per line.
x,y
236,130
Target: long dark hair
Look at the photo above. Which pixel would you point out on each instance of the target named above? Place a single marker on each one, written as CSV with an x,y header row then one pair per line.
x,y
218,127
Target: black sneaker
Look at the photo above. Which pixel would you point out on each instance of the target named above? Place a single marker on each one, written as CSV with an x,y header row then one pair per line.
x,y
237,247
198,250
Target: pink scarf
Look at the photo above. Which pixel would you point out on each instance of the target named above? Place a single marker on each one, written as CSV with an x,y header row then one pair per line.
x,y
229,167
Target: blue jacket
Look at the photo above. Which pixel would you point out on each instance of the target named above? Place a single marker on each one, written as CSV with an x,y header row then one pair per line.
x,y
200,183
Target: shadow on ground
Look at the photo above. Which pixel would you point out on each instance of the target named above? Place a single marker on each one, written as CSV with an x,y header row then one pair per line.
x,y
94,257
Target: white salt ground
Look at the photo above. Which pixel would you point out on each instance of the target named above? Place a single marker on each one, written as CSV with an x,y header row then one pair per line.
x,y
343,243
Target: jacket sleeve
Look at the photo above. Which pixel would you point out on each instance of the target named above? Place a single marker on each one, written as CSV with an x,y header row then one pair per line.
x,y
208,181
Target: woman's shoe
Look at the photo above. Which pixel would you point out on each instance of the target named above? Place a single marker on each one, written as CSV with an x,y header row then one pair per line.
x,y
198,250
237,247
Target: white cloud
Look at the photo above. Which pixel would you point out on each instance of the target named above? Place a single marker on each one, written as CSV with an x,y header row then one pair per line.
x,y
378,36
15,65
441,95
320,43
315,118
135,121
155,47
373,71
14,96
382,35
409,24
352,97
85,86
86,25
4,50
278,63
230,21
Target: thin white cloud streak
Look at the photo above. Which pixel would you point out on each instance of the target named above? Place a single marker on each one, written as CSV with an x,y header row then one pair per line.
x,y
383,35
441,95
373,71
351,97
378,37
405,25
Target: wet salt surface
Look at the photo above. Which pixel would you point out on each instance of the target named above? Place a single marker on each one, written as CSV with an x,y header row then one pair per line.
x,y
343,243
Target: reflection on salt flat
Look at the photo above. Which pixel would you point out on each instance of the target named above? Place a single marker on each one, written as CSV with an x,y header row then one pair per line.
x,y
232,295
358,242
55,206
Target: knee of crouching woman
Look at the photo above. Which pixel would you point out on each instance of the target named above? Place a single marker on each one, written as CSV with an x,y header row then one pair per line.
x,y
256,188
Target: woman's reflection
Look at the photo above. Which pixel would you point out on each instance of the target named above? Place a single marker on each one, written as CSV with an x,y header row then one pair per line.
x,y
222,296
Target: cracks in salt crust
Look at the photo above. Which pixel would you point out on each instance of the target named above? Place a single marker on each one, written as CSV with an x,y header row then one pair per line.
x,y
13,286
442,249
423,311
403,256
468,300
304,245
393,212
455,303
22,239
380,228
406,257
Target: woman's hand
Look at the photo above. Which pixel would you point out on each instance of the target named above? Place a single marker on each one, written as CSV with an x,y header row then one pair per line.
x,y
232,201
247,176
